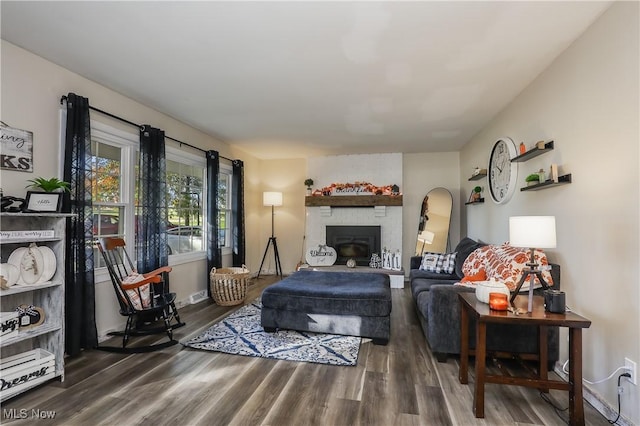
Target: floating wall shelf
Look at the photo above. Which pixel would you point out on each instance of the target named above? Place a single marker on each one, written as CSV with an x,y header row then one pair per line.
x,y
478,176
562,180
532,153
480,201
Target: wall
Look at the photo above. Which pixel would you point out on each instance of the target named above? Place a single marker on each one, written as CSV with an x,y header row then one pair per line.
x,y
587,102
422,173
286,176
31,91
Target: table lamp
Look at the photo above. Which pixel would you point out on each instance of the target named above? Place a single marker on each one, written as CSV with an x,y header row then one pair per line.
x,y
532,232
272,199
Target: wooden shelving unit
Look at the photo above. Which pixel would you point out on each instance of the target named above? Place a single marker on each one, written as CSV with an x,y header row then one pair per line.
x,y
353,200
49,295
562,180
532,153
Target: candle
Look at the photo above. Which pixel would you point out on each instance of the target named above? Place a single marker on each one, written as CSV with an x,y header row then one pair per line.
x,y
498,301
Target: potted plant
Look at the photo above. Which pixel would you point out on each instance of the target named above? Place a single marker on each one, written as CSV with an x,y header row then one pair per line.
x,y
48,195
308,182
49,185
476,193
532,179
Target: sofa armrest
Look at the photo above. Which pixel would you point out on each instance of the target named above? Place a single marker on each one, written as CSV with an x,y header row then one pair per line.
x,y
443,322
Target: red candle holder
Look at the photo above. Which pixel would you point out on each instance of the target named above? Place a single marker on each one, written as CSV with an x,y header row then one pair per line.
x,y
498,301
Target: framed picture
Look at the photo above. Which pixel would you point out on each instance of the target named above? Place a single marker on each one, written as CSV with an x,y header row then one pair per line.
x,y
43,201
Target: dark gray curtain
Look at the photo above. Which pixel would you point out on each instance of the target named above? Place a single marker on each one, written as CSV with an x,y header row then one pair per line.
x,y
80,320
151,209
237,206
214,253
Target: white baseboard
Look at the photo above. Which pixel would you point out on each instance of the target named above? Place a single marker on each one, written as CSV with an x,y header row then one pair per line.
x,y
596,400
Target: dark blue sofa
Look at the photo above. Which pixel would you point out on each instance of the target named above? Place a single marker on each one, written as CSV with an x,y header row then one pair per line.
x,y
438,308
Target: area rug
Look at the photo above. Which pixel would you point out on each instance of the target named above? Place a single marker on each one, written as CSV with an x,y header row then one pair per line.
x,y
241,334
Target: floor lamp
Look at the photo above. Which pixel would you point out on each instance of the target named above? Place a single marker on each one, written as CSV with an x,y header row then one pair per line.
x,y
532,232
272,199
425,237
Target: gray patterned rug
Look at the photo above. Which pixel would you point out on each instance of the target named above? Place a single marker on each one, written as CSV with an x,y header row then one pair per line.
x,y
241,334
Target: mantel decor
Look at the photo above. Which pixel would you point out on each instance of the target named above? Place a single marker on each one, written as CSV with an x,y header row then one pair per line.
x,y
357,188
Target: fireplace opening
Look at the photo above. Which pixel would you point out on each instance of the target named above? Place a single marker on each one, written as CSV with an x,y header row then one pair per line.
x,y
353,242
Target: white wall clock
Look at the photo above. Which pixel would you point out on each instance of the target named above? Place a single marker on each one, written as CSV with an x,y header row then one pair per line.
x,y
503,174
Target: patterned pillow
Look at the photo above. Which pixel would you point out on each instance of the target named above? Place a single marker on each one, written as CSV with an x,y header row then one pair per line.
x,y
475,262
439,262
505,263
134,296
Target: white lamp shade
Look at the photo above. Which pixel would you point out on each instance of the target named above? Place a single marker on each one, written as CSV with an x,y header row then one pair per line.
x,y
532,231
272,198
426,237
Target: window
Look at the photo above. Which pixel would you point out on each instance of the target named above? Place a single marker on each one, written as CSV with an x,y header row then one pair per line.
x,y
114,165
186,202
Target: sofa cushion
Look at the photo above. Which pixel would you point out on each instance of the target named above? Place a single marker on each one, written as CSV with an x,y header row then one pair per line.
x,y
424,284
464,248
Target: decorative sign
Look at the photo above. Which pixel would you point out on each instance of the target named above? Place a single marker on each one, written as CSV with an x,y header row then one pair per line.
x,y
17,149
392,260
38,234
321,256
43,201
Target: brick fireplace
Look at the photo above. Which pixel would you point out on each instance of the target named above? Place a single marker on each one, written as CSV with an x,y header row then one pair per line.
x,y
378,169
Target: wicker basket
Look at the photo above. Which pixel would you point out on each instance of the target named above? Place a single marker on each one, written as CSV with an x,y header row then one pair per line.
x,y
229,285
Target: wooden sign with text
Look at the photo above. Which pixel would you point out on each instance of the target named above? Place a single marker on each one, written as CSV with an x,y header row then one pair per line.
x,y
17,149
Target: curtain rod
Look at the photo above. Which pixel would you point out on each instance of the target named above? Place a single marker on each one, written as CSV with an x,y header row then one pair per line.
x,y
131,123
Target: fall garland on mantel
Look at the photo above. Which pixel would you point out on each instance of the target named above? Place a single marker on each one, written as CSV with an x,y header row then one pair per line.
x,y
357,188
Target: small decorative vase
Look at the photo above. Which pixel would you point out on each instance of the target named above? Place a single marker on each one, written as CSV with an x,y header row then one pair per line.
x,y
309,190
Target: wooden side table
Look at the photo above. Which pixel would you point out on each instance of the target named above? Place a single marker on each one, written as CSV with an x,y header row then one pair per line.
x,y
471,307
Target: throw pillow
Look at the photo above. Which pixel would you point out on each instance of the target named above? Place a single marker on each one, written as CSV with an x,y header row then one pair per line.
x,y
140,297
475,261
480,276
506,263
438,262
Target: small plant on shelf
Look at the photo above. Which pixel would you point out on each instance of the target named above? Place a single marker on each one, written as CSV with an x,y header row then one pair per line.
x,y
532,179
49,185
308,183
477,193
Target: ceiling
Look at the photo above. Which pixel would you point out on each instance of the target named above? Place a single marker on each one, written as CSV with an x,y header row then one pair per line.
x,y
298,79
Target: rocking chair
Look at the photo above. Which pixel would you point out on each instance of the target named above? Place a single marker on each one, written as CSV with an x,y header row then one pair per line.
x,y
143,299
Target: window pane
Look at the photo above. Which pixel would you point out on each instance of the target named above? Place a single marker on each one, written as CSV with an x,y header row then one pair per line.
x,y
184,187
224,210
106,171
108,221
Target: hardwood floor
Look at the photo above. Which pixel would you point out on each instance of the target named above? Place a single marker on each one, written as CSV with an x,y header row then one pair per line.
x,y
397,384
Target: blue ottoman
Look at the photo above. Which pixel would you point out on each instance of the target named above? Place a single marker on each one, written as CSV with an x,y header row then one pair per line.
x,y
350,303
